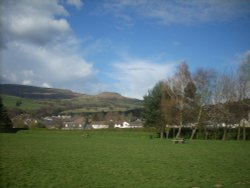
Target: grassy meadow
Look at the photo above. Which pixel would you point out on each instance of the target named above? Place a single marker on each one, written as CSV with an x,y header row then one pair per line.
x,y
48,158
27,104
76,105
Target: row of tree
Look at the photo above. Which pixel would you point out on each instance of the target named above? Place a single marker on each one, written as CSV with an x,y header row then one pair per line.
x,y
205,97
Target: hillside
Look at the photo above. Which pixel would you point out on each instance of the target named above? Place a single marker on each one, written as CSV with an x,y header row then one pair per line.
x,y
110,95
53,101
24,104
33,92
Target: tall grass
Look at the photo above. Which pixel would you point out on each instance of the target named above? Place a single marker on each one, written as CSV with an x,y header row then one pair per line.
x,y
119,159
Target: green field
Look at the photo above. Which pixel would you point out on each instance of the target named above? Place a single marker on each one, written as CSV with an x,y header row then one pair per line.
x,y
43,158
96,109
27,104
96,104
77,105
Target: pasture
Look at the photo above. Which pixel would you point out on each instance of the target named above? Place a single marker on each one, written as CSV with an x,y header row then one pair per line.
x,y
27,104
48,158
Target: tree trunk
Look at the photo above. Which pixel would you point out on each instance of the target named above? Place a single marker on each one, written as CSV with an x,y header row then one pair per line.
x,y
167,132
193,133
179,132
162,134
238,133
162,131
198,122
173,132
180,127
198,132
244,132
243,124
224,133
206,134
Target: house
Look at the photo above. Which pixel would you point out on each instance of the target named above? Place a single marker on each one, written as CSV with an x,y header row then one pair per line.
x,y
62,117
138,123
100,125
24,121
72,125
76,122
122,125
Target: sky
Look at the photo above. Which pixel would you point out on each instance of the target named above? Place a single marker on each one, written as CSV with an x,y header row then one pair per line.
x,y
124,46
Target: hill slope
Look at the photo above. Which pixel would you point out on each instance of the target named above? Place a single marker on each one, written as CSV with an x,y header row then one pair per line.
x,y
110,95
33,92
24,104
64,101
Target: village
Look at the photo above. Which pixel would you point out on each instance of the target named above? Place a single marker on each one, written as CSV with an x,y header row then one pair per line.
x,y
78,122
68,122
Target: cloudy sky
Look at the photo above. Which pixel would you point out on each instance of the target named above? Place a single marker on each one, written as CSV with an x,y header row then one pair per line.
x,y
123,46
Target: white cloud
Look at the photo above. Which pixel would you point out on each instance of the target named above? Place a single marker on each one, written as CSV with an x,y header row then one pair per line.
x,y
28,73
77,3
33,21
94,46
50,64
178,12
136,76
8,77
39,47
26,82
46,85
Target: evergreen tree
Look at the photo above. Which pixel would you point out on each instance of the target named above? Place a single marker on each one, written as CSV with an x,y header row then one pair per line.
x,y
152,106
5,121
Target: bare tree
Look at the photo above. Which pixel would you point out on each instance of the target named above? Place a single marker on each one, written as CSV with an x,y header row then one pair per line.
x,y
243,124
244,78
204,81
180,81
226,90
168,107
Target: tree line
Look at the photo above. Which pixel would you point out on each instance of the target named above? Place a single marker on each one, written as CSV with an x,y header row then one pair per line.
x,y
205,97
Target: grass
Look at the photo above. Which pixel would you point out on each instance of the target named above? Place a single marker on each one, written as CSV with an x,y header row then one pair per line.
x,y
86,104
27,104
96,109
96,104
42,158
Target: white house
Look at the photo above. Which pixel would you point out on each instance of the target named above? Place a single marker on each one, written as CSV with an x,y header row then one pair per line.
x,y
123,125
100,126
72,125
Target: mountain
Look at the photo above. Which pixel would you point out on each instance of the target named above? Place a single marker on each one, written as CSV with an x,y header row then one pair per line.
x,y
33,92
110,95
54,101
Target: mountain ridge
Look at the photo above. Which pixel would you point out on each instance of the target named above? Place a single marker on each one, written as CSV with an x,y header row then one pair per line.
x,y
110,95
51,101
35,92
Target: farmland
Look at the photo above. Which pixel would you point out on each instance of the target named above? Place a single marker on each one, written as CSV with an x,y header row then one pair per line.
x,y
118,158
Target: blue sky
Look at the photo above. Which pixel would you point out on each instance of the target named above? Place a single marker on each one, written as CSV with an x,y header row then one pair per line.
x,y
123,46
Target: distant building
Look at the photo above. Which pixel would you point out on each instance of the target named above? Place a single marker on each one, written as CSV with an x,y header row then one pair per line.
x,y
64,122
73,123
136,124
122,125
62,117
100,125
24,120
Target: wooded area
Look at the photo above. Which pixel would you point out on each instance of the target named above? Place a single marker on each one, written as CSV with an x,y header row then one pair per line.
x,y
200,100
